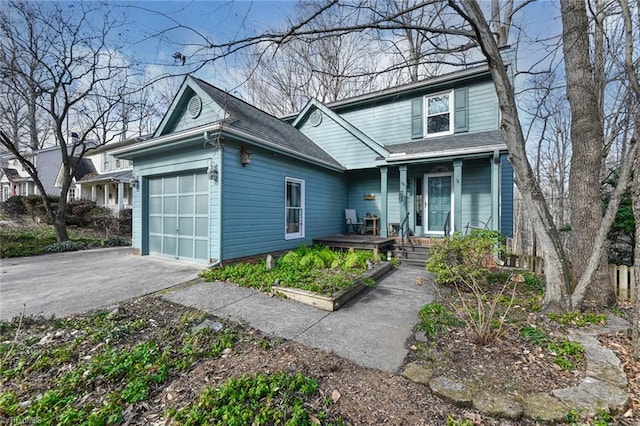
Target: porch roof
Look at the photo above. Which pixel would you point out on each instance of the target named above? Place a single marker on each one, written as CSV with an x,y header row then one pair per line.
x,y
457,145
119,176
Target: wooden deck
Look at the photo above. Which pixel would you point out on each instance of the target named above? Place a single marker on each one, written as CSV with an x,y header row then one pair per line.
x,y
355,241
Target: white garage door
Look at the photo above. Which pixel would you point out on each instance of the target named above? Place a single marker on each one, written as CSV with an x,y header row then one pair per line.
x,y
179,216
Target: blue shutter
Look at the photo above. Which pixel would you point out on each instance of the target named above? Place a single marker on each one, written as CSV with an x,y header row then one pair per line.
x,y
417,119
461,110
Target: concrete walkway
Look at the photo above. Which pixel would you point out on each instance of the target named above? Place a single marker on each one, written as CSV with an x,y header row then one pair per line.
x,y
65,283
372,329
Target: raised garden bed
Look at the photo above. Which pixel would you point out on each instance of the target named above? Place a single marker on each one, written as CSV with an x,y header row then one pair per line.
x,y
337,299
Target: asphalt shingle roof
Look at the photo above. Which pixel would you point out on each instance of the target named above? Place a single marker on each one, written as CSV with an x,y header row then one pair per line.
x,y
119,176
10,173
84,167
459,141
249,119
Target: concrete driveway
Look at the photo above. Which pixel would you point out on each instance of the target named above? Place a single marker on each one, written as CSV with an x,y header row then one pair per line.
x,y
64,283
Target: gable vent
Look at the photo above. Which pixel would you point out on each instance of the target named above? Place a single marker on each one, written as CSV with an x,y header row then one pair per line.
x,y
195,106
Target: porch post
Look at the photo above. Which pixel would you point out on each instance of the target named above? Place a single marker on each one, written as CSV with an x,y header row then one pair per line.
x,y
403,194
120,196
495,190
383,201
457,196
93,193
105,193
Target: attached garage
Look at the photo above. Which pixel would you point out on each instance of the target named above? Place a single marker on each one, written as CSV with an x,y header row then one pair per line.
x,y
179,216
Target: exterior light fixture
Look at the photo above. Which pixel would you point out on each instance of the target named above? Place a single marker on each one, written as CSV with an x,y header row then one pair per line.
x,y
245,157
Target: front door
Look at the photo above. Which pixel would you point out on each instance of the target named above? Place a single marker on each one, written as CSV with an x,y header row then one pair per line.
x,y
438,202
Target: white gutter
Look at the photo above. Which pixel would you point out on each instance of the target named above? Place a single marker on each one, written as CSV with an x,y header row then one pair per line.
x,y
401,156
168,138
225,130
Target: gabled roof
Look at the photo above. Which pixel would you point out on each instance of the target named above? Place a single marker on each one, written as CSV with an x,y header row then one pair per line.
x,y
84,166
230,117
10,173
459,144
255,122
358,134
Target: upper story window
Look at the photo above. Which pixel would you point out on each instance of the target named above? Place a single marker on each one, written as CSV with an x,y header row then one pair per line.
x,y
439,114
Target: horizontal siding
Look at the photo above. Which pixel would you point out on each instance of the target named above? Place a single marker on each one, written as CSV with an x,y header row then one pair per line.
x,y
340,144
210,113
390,123
476,192
506,196
253,201
483,107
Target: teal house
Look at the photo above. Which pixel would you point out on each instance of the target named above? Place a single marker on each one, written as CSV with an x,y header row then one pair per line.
x,y
221,180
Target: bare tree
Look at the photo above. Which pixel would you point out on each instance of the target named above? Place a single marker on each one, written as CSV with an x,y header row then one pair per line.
x,y
65,55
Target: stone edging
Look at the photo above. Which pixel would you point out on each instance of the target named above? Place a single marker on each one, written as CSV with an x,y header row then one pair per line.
x,y
604,386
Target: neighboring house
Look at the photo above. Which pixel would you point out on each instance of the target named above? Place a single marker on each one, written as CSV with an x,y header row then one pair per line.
x,y
14,179
222,180
109,183
98,176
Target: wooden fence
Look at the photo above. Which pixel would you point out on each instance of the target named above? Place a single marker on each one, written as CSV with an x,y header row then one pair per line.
x,y
622,277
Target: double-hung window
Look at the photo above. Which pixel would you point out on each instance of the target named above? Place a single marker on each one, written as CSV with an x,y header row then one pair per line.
x,y
439,114
294,208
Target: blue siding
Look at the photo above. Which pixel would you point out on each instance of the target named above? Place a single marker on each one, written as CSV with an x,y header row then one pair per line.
x,y
506,196
483,107
181,120
340,144
390,123
476,191
368,182
253,201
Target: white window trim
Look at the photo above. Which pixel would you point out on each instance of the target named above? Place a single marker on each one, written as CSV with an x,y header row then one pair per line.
x,y
451,113
300,233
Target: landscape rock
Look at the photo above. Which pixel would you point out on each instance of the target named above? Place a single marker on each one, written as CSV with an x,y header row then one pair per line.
x,y
421,336
592,395
214,326
417,373
543,407
497,405
456,392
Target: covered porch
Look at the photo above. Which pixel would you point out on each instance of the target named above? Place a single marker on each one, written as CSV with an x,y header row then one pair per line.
x,y
110,190
431,197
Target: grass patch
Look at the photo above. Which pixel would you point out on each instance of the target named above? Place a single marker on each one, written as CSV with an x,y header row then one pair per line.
x,y
91,369
38,240
317,269
278,398
578,319
566,353
436,320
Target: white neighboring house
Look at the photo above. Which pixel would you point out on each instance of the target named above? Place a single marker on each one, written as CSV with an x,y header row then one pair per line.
x,y
14,179
110,184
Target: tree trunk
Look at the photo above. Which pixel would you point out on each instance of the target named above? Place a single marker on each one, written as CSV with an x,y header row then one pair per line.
x,y
635,319
557,274
587,147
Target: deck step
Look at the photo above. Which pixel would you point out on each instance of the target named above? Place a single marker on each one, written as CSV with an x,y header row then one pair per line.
x,y
412,255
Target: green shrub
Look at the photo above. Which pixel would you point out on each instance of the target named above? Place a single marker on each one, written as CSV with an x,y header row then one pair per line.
x,y
436,320
68,245
460,259
14,206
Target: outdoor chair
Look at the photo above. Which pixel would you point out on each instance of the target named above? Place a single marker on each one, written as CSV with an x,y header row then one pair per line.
x,y
353,223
